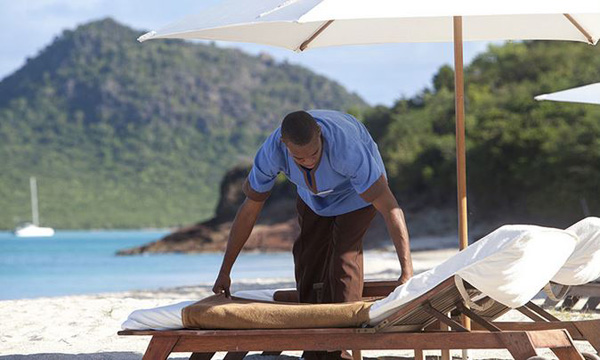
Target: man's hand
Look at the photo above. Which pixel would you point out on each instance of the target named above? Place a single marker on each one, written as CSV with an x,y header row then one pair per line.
x,y
240,231
222,284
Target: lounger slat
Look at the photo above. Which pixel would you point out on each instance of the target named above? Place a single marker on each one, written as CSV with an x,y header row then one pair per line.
x,y
371,341
527,326
444,301
202,356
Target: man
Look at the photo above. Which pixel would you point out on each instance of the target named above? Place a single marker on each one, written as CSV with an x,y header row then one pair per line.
x,y
341,182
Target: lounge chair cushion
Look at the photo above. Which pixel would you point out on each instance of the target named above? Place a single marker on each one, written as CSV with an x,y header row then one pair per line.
x,y
510,265
583,265
220,312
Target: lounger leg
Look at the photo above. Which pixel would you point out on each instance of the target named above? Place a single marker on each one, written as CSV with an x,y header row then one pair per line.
x,y
160,347
201,356
445,352
356,355
419,354
591,332
567,353
235,355
592,303
519,345
569,302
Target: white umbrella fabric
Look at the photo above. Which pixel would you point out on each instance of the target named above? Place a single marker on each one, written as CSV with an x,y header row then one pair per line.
x,y
300,25
588,94
291,24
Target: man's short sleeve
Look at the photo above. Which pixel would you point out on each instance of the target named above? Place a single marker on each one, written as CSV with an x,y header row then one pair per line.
x,y
267,164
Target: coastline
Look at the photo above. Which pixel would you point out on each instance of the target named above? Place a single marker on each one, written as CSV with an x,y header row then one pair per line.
x,y
81,327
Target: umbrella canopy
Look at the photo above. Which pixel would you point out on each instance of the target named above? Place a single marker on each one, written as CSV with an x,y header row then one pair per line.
x,y
303,24
588,94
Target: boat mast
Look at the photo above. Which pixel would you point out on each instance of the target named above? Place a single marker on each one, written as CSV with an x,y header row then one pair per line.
x,y
34,202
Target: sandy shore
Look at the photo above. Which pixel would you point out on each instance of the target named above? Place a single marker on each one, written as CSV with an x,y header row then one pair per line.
x,y
85,326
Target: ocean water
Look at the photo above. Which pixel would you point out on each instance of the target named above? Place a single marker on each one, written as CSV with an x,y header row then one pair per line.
x,y
84,262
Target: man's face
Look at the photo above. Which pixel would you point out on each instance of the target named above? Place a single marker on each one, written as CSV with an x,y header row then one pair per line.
x,y
306,155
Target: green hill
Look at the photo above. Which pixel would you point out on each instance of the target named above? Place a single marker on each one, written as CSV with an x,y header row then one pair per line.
x,y
121,134
526,160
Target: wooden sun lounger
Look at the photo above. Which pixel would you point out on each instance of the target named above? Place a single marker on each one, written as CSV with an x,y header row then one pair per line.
x,y
403,330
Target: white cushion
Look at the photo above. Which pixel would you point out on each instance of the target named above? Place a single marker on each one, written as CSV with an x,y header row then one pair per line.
x,y
583,265
160,318
510,265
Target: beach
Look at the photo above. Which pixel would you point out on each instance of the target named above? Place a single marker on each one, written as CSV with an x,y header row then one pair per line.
x,y
85,326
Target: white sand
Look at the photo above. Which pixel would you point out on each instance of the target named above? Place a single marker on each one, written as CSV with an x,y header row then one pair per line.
x,y
85,326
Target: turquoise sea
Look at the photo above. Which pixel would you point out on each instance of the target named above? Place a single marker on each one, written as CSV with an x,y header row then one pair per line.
x,y
83,262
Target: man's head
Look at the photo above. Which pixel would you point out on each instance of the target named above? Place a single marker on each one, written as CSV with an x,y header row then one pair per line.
x,y
302,136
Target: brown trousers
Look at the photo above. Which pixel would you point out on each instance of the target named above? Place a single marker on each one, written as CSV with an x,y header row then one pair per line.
x,y
328,255
328,260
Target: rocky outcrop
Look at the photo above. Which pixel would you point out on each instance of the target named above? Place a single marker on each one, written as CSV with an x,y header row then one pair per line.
x,y
275,230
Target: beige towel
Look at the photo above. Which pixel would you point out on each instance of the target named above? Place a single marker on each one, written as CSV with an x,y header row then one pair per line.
x,y
219,312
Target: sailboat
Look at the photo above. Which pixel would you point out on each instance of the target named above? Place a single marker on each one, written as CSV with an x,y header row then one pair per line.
x,y
33,230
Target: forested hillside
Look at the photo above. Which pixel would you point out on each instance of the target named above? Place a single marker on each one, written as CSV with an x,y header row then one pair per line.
x,y
526,160
121,134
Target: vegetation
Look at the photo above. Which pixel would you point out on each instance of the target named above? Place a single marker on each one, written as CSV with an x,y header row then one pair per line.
x,y
526,160
122,135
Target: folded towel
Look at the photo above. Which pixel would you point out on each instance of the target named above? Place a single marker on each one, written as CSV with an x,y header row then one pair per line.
x,y
220,312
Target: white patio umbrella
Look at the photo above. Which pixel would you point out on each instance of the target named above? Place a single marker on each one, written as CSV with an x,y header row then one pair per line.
x,y
300,25
588,94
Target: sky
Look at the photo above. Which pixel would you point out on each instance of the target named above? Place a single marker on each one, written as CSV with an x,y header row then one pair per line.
x,y
380,74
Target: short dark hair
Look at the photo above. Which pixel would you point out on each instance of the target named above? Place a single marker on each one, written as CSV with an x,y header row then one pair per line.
x,y
299,128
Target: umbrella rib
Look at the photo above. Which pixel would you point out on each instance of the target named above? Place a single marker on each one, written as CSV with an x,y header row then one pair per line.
x,y
580,28
305,44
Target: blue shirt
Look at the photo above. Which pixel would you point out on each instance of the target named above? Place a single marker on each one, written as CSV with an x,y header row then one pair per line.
x,y
350,166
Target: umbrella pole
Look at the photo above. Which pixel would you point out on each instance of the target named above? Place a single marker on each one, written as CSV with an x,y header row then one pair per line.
x,y
459,90
461,167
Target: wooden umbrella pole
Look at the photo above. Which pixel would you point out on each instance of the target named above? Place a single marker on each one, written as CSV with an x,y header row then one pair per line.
x,y
461,167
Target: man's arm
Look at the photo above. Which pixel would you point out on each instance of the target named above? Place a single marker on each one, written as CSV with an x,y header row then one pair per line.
x,y
240,231
387,205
